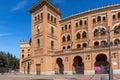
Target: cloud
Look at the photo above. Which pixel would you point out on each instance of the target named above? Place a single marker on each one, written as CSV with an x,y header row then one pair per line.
x,y
19,5
4,34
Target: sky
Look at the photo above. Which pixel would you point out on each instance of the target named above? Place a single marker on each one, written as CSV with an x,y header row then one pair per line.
x,y
15,20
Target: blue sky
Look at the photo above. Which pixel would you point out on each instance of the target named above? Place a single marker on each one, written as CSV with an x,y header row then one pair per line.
x,y
15,20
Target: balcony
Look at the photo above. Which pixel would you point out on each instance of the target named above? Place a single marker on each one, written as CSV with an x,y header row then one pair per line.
x,y
100,37
38,22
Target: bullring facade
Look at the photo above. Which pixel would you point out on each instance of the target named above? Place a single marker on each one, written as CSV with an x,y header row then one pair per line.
x,y
71,45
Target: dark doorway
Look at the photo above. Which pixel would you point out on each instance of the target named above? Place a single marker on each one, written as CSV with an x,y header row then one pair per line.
x,y
78,65
60,65
38,69
101,64
28,68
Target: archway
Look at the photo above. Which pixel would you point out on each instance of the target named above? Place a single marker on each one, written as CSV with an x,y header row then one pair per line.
x,y
60,65
101,64
28,68
78,65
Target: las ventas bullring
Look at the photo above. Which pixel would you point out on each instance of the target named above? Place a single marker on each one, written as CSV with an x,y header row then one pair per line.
x,y
77,44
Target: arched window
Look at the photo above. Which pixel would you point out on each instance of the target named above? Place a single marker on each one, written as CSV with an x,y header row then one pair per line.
x,y
51,18
63,47
63,39
114,17
116,41
85,22
103,43
103,31
69,26
68,47
35,18
38,17
84,45
55,20
94,21
41,16
98,18
38,29
38,42
78,46
28,55
62,28
52,30
22,55
78,36
22,51
65,27
96,44
96,32
80,22
118,15
76,24
117,29
104,18
52,44
84,35
48,16
68,38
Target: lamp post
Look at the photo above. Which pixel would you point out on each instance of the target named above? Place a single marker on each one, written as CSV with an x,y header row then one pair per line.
x,y
109,48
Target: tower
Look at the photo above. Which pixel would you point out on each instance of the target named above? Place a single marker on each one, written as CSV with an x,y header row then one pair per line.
x,y
45,36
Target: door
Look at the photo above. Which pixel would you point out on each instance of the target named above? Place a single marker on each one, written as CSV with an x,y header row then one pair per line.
x,y
38,69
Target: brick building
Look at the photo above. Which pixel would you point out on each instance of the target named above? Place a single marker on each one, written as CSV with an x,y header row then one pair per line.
x,y
72,45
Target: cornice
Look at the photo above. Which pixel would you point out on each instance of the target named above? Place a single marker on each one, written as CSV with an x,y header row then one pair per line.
x,y
91,11
41,4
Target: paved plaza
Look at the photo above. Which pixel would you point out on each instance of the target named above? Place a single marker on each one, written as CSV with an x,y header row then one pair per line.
x,y
19,76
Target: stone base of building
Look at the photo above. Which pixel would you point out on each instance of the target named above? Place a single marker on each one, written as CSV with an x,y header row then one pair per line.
x,y
89,72
117,71
68,72
48,73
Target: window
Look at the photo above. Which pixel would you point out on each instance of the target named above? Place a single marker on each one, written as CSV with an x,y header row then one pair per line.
x,y
38,17
114,17
28,50
63,39
38,42
68,38
69,26
22,51
98,18
52,30
55,20
28,55
80,22
118,15
94,21
114,55
103,31
96,32
41,15
35,18
104,18
22,55
63,47
78,36
65,27
68,47
116,41
84,45
84,35
38,29
76,24
78,46
103,43
48,16
117,30
96,43
51,18
85,22
52,44
62,28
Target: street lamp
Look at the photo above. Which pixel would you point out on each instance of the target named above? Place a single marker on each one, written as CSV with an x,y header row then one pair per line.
x,y
109,47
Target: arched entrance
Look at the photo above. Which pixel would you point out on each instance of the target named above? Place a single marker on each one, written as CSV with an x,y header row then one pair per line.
x,y
60,65
101,64
78,65
28,68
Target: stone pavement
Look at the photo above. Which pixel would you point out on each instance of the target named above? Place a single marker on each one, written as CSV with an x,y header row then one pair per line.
x,y
19,76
